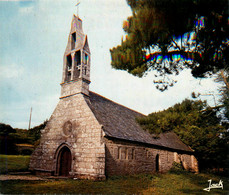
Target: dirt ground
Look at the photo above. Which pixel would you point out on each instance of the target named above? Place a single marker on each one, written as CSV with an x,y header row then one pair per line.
x,y
20,177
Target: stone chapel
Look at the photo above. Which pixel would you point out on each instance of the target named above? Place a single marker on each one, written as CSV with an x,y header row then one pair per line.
x,y
91,137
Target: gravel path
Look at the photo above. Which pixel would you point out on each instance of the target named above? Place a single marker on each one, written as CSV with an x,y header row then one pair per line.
x,y
20,177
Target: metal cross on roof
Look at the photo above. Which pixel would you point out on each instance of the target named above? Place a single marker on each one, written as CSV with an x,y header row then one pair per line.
x,y
77,7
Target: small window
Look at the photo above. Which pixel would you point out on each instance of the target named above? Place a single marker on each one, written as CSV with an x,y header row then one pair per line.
x,y
116,153
133,154
73,41
126,153
119,152
123,153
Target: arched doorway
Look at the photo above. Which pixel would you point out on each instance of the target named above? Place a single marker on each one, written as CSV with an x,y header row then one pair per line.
x,y
64,161
157,163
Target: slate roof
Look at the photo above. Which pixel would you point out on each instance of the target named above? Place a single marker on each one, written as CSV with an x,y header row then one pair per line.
x,y
120,122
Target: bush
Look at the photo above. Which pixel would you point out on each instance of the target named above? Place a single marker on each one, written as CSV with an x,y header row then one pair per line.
x,y
26,152
6,129
7,145
177,168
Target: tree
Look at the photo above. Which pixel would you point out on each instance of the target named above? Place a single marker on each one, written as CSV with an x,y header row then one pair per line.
x,y
223,78
9,137
7,141
197,125
35,132
6,129
167,36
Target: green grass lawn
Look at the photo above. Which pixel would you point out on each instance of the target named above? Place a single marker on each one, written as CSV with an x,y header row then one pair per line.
x,y
169,183
13,163
174,182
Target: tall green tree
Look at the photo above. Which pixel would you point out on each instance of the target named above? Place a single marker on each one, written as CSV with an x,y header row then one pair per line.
x,y
167,36
223,78
197,125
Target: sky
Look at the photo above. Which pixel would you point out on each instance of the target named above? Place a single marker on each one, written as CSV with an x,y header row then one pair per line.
x,y
33,38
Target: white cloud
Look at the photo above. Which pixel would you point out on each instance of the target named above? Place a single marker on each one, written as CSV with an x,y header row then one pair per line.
x,y
26,10
11,71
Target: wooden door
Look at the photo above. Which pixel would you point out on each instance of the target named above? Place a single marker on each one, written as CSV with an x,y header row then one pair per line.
x,y
65,162
157,163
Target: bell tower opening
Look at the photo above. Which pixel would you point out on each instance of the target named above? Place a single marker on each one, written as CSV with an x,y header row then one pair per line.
x,y
68,68
73,41
77,65
86,59
77,58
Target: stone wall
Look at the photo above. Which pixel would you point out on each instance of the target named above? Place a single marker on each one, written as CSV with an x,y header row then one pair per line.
x,y
74,87
189,162
130,158
71,125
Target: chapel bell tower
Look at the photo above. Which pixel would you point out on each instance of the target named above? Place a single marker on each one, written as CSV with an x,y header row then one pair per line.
x,y
76,62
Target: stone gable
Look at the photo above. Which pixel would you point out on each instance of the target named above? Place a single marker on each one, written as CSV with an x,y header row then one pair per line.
x,y
83,138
